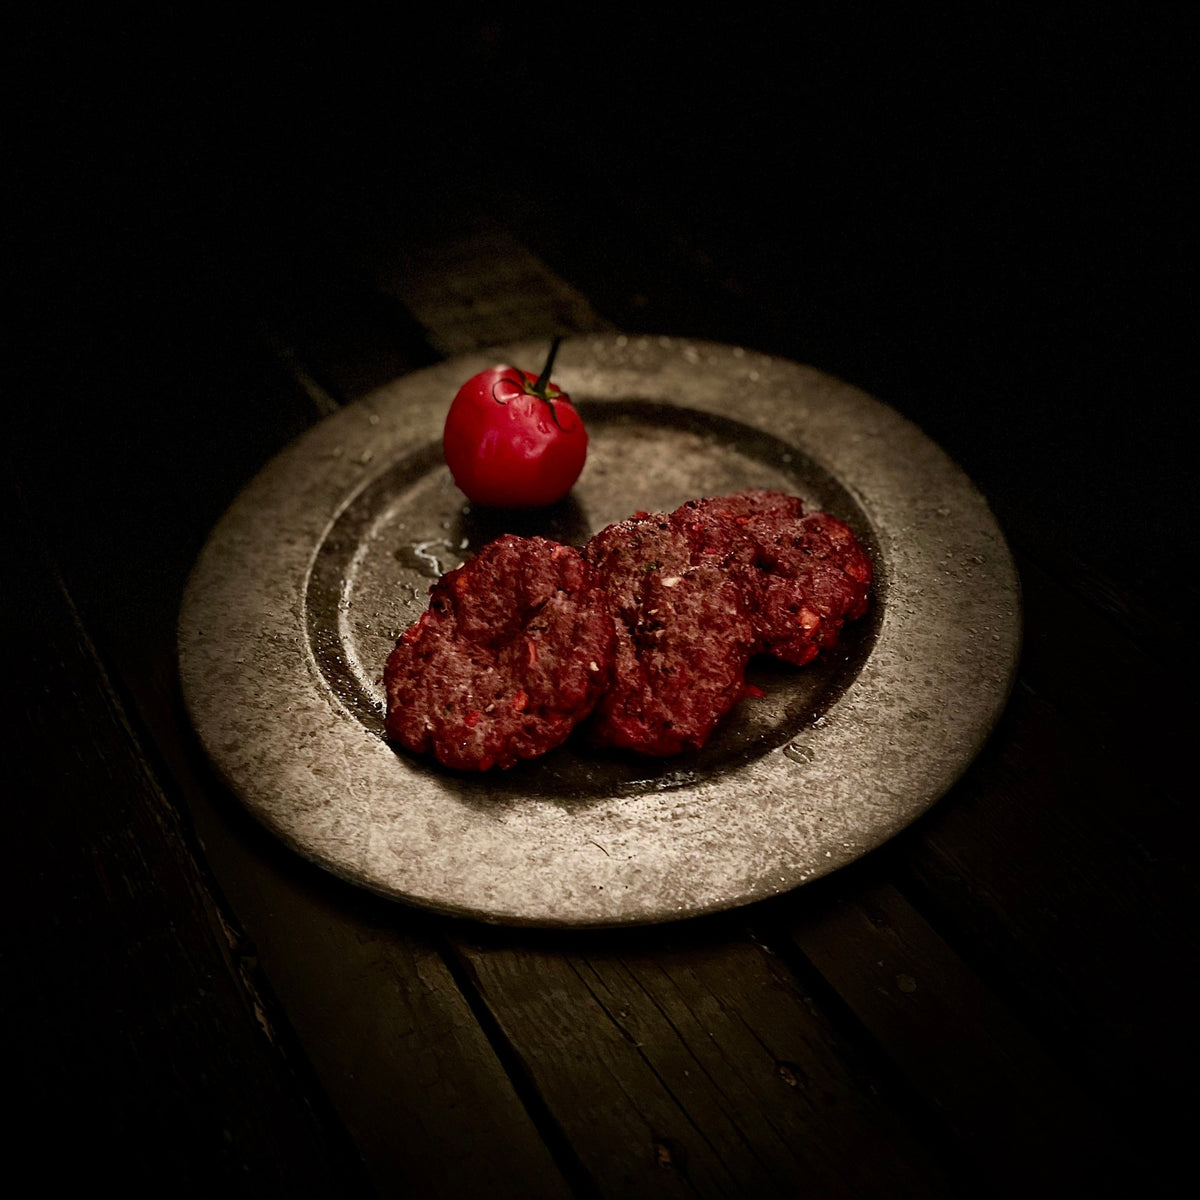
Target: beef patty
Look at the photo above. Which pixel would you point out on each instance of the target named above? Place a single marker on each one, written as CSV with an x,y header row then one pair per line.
x,y
683,637
803,574
514,650
651,626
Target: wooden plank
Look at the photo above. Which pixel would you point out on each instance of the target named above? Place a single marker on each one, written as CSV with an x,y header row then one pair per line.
x,y
471,284
331,329
680,1064
1058,870
1013,1108
139,1051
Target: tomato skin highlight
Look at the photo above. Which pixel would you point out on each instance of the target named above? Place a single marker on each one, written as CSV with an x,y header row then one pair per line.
x,y
509,446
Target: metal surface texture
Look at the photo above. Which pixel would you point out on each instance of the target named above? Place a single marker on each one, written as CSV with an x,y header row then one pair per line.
x,y
327,555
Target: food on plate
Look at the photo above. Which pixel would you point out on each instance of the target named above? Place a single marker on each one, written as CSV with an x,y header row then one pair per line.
x,y
647,630
513,440
805,574
684,635
514,649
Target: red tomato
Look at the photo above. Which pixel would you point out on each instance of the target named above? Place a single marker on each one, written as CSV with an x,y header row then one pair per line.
x,y
512,440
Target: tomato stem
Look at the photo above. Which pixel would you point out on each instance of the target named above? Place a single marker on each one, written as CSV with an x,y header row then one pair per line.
x,y
539,388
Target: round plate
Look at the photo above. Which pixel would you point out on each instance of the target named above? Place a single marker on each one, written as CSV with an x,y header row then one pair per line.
x,y
328,554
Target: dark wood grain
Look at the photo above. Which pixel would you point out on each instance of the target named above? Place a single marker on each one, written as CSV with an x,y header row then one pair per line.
x,y
133,1026
1058,869
1019,1113
695,1064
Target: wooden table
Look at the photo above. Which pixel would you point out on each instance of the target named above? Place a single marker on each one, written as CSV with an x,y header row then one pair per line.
x,y
999,1001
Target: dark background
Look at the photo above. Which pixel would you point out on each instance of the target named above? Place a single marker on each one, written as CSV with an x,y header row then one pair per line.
x,y
983,220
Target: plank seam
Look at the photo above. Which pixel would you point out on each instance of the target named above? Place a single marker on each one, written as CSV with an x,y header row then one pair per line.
x,y
576,1176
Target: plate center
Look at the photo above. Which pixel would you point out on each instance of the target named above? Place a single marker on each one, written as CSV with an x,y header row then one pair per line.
x,y
372,572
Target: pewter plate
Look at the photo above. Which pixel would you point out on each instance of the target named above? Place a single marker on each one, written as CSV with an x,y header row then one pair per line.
x,y
328,554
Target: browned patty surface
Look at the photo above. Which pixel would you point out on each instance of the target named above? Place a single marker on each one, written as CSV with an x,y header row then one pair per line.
x,y
683,638
804,575
514,650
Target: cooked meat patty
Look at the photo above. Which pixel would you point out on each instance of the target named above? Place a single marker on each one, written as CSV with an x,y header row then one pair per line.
x,y
651,626
815,576
804,575
719,530
514,650
683,637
